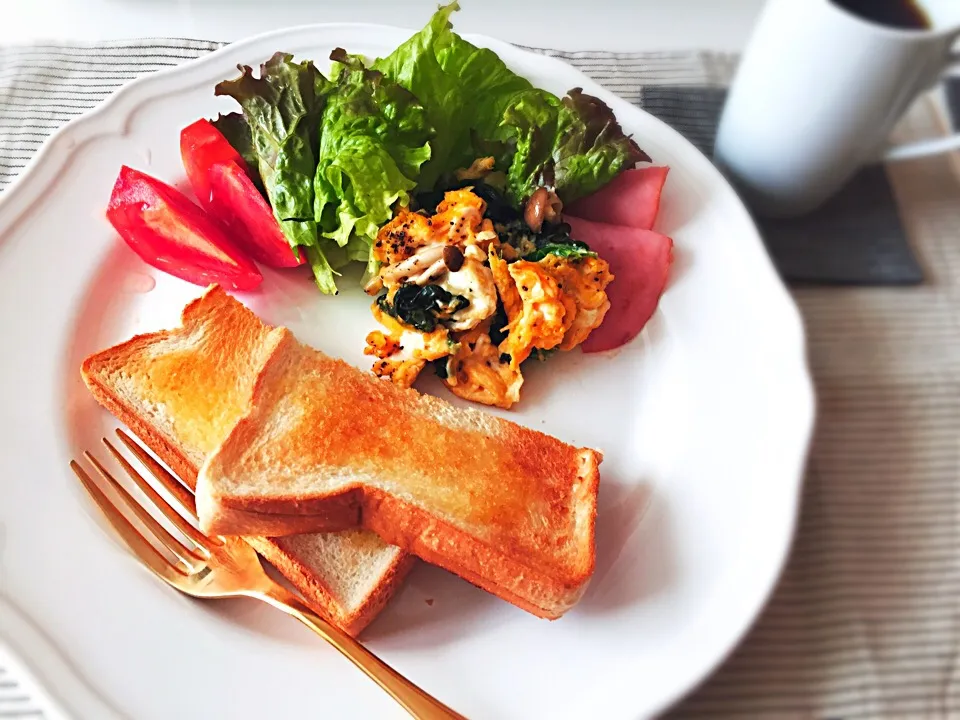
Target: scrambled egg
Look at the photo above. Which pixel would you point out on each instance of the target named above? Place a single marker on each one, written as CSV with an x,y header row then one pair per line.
x,y
458,221
544,314
506,288
553,303
456,255
475,372
473,281
403,352
585,281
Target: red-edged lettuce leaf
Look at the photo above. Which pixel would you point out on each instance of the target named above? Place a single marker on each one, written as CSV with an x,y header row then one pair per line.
x,y
575,145
478,105
590,147
282,108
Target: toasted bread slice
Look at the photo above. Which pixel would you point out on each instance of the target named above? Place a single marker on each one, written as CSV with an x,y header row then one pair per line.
x,y
508,508
182,390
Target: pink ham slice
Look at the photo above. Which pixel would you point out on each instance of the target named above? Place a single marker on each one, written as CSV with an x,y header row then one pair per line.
x,y
640,261
632,199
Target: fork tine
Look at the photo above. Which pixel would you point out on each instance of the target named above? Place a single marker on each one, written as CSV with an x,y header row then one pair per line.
x,y
172,544
172,483
138,544
198,538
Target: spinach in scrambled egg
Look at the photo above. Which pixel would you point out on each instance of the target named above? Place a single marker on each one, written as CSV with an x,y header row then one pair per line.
x,y
422,307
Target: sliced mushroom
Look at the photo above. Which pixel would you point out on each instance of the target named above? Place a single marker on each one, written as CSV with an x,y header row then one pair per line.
x,y
543,206
536,209
554,207
374,285
478,169
413,265
475,252
452,258
430,275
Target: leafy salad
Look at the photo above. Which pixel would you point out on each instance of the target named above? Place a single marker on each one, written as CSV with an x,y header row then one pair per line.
x,y
337,155
484,209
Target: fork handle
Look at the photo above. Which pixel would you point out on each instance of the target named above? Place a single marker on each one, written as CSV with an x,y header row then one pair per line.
x,y
415,701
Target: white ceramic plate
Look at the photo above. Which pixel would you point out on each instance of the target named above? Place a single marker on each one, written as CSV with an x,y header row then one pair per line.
x,y
704,421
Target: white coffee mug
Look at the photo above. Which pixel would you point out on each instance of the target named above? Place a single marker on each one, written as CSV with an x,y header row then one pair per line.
x,y
817,94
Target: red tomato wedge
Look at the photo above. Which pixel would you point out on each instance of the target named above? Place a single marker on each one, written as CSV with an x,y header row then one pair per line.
x,y
202,145
221,181
632,198
172,234
237,203
640,261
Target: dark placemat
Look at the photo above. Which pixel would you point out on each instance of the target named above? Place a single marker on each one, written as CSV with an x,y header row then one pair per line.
x,y
952,85
856,238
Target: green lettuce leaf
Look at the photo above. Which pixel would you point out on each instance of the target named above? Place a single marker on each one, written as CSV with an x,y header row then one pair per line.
x,y
336,158
282,108
234,127
373,139
323,271
464,89
534,119
480,107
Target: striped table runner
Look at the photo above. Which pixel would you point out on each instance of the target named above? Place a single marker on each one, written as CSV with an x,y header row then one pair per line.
x,y
20,697
866,620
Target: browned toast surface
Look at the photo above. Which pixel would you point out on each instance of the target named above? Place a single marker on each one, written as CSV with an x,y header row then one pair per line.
x,y
507,507
181,391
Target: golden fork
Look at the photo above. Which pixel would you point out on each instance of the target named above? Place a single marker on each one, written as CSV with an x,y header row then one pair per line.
x,y
218,567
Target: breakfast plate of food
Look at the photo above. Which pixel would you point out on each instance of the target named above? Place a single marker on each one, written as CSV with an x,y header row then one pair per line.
x,y
489,366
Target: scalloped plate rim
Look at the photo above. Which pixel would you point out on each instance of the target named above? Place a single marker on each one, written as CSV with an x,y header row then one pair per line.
x,y
111,116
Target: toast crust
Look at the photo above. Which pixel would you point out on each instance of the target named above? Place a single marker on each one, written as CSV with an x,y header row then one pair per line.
x,y
301,576
439,543
334,515
525,530
410,528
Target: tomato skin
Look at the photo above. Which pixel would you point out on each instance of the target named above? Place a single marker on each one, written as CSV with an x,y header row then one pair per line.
x,y
202,145
169,232
237,203
221,180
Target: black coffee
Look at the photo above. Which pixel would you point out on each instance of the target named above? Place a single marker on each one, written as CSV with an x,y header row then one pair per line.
x,y
905,14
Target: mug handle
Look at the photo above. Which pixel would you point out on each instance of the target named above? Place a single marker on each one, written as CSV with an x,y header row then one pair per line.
x,y
925,148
